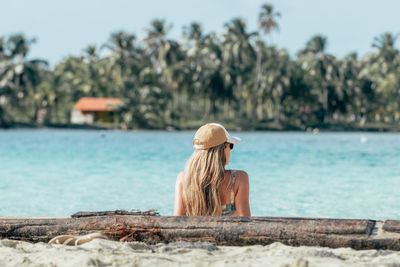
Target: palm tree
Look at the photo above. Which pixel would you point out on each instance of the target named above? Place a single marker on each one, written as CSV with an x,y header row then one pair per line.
x,y
193,32
121,44
267,19
238,55
383,69
322,71
385,44
19,77
157,46
125,55
274,83
316,45
204,73
92,52
267,22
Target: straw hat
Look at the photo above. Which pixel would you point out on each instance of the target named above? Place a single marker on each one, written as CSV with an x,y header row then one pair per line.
x,y
211,135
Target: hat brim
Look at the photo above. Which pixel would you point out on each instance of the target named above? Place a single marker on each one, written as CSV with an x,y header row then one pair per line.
x,y
234,140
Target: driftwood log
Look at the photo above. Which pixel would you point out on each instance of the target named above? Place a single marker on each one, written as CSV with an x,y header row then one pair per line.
x,y
233,231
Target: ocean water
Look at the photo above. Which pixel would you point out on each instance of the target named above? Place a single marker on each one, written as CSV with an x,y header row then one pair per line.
x,y
333,175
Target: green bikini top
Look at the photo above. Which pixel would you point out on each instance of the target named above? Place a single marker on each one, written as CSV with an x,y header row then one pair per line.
x,y
230,208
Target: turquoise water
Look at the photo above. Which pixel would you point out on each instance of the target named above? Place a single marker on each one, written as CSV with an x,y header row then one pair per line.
x,y
60,172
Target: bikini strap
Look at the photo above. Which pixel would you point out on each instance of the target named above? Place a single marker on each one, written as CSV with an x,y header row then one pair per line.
x,y
233,174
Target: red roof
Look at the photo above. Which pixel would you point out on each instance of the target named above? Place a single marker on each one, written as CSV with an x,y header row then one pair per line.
x,y
96,104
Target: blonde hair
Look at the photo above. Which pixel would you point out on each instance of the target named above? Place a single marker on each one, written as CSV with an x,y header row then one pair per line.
x,y
203,176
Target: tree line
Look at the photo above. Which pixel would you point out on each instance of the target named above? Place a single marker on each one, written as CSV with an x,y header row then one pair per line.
x,y
236,77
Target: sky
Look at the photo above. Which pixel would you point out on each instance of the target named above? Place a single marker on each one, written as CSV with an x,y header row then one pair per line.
x,y
64,28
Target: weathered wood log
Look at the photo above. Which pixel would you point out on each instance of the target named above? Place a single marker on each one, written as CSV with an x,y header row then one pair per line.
x,y
114,212
233,231
392,226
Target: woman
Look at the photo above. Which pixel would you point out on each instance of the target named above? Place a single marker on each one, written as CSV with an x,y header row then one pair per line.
x,y
205,187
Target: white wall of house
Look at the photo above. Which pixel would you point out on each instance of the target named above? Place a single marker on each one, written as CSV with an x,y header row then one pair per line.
x,y
78,117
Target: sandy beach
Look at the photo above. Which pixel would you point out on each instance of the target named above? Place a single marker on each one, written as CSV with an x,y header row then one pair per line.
x,y
110,253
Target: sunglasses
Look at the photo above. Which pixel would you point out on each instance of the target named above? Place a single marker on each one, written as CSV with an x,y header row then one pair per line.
x,y
231,145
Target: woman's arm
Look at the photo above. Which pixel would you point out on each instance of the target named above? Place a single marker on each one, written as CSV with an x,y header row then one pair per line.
x,y
179,207
242,196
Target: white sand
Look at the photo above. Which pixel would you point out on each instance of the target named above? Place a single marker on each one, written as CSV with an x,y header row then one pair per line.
x,y
108,253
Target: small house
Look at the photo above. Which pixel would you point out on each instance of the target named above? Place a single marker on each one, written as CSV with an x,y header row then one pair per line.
x,y
89,110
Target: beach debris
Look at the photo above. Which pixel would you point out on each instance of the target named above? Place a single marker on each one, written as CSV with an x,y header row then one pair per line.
x,y
218,230
363,139
71,240
151,212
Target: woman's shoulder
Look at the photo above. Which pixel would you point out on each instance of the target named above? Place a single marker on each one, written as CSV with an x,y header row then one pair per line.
x,y
241,177
180,176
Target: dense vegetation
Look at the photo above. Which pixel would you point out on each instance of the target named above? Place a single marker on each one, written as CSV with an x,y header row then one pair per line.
x,y
236,77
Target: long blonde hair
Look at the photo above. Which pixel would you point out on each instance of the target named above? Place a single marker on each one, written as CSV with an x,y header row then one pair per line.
x,y
203,176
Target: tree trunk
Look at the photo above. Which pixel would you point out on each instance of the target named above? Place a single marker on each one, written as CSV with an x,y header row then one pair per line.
x,y
232,231
239,84
34,119
254,116
325,102
277,118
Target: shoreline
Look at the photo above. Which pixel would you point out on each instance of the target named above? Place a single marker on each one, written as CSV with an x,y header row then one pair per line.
x,y
310,129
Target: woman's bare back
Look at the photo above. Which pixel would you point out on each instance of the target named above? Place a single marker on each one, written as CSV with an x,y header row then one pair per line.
x,y
240,189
